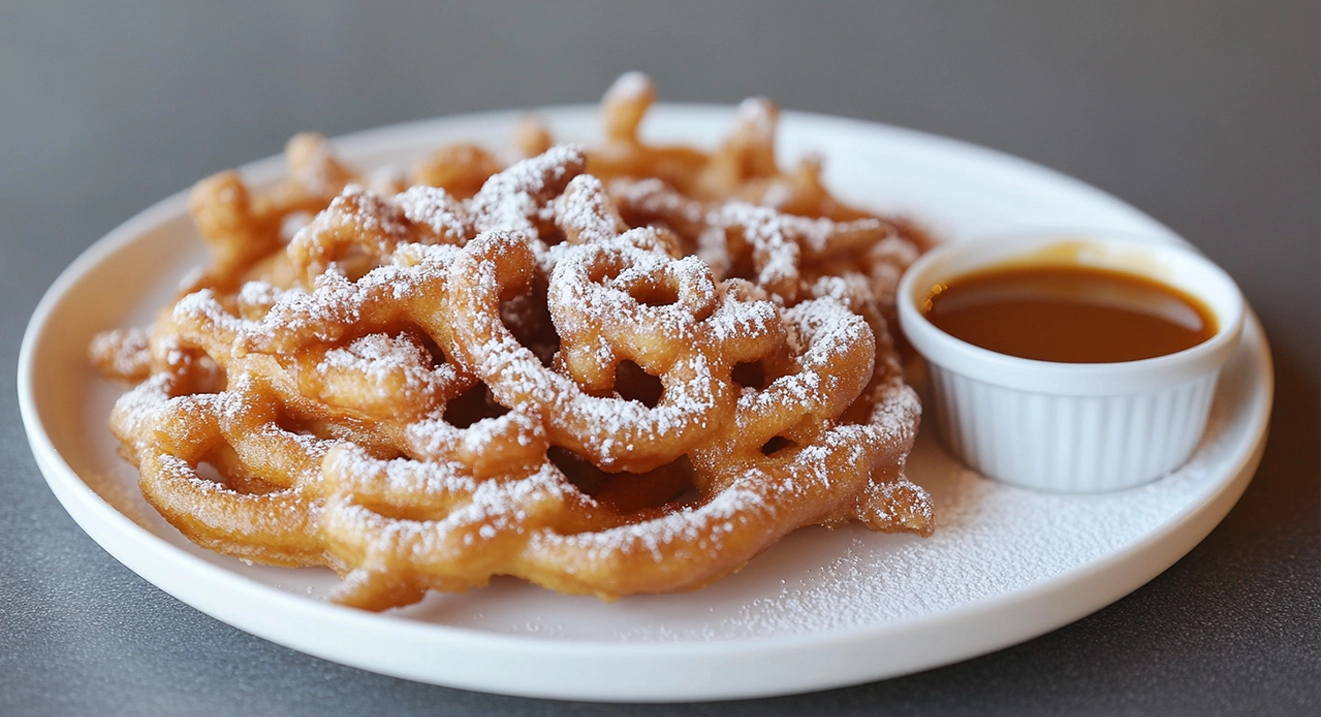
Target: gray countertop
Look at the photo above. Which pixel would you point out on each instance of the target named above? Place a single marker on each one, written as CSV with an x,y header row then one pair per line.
x,y
1205,114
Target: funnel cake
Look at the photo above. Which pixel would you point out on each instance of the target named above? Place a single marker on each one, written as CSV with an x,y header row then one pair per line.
x,y
422,390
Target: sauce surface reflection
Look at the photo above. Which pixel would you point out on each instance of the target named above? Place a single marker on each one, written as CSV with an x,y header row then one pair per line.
x,y
1068,314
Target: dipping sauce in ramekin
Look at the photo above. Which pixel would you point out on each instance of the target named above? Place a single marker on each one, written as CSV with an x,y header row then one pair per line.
x,y
1069,313
1071,363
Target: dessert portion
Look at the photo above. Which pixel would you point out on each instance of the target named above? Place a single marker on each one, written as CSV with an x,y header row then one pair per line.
x,y
609,371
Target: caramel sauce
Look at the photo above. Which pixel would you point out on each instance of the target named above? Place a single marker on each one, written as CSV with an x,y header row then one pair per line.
x,y
1068,313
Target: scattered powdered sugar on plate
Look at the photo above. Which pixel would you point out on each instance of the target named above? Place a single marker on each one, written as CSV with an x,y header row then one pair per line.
x,y
991,540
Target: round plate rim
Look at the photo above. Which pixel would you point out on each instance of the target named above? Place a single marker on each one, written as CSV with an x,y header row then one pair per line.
x,y
1096,584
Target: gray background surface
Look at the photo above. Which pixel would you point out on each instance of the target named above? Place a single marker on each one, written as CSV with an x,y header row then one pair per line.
x,y
1205,114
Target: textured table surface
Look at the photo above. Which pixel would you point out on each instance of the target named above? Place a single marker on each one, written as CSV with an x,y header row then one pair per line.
x,y
1204,114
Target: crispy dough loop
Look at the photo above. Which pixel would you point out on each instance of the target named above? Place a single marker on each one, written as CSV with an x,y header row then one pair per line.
x,y
809,387
654,304
242,226
274,527
777,246
614,433
351,237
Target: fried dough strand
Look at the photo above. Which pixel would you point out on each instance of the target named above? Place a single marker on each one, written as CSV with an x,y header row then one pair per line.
x,y
613,371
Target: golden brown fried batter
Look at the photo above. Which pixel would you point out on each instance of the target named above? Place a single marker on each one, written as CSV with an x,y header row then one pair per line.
x,y
522,373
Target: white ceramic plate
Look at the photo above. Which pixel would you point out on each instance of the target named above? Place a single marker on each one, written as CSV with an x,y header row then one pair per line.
x,y
821,609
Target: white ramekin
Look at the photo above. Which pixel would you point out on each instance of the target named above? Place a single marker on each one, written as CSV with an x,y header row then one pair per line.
x,y
1070,427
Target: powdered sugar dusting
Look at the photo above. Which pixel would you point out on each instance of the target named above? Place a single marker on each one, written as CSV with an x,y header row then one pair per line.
x,y
780,243
382,310
628,87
